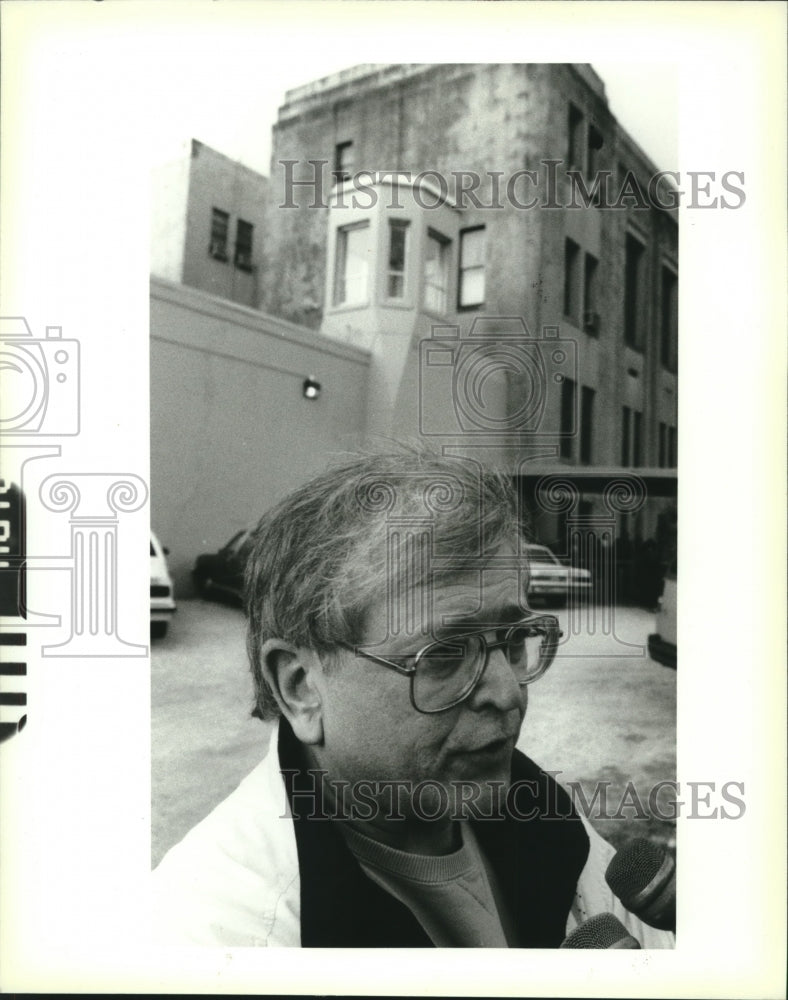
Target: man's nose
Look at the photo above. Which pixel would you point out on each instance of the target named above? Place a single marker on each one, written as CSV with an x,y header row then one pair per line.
x,y
498,686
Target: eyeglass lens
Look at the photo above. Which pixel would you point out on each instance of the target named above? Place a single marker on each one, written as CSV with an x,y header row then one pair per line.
x,y
447,670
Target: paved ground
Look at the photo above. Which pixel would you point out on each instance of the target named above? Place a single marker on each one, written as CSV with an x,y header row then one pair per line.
x,y
601,714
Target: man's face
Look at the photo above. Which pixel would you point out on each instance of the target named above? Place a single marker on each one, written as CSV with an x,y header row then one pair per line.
x,y
372,731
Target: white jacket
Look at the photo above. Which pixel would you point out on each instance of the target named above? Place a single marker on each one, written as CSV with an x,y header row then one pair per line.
x,y
234,878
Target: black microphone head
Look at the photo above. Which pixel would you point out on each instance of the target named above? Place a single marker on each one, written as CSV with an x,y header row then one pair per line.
x,y
633,867
601,931
643,876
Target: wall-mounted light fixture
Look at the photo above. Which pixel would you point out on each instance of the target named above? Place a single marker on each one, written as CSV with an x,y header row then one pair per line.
x,y
311,388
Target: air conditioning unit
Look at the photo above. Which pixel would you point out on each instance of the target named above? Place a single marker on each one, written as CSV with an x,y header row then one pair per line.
x,y
217,250
243,260
591,321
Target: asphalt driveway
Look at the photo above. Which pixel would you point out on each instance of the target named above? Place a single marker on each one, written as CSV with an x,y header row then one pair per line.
x,y
604,716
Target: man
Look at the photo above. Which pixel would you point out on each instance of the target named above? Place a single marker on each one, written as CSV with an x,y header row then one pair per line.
x,y
390,639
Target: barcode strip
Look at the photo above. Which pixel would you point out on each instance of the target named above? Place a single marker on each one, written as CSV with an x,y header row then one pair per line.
x,y
12,669
13,698
13,639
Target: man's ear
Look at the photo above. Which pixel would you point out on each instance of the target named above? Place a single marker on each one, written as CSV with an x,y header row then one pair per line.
x,y
294,675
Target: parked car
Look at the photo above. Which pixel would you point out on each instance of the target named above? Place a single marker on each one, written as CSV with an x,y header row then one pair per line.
x,y
551,580
162,603
220,575
662,644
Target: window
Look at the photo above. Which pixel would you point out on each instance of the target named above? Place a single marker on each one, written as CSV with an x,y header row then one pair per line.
x,y
472,261
595,142
667,446
436,272
244,237
571,279
637,438
344,159
398,246
633,293
668,345
575,151
568,393
586,424
625,434
220,227
352,264
590,314
631,437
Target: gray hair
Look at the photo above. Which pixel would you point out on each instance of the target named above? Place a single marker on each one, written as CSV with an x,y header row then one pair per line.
x,y
323,555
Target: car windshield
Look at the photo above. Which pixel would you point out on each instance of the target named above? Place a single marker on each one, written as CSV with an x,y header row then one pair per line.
x,y
540,554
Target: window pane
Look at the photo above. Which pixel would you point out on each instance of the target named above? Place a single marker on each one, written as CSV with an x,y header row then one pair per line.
x,y
568,389
669,317
219,224
244,235
472,248
398,240
397,248
436,273
571,278
589,288
350,284
344,160
586,424
472,287
472,265
637,433
633,292
574,152
625,435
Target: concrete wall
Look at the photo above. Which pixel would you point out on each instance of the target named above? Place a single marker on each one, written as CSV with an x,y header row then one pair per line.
x,y
231,431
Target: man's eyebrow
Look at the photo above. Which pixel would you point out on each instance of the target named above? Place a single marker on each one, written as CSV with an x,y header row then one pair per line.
x,y
504,615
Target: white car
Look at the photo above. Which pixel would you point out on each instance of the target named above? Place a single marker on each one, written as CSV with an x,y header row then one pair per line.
x,y
662,643
550,580
162,605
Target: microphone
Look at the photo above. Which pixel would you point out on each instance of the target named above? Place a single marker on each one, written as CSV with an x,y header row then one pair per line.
x,y
601,931
643,876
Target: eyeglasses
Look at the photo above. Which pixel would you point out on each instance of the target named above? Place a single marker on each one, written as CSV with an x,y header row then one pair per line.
x,y
445,672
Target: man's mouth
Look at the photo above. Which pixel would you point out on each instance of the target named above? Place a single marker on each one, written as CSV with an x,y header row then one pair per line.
x,y
493,747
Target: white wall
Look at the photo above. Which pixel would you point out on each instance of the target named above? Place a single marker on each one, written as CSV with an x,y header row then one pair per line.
x,y
231,431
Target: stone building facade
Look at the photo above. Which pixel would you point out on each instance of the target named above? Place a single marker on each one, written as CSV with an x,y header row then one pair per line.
x,y
516,150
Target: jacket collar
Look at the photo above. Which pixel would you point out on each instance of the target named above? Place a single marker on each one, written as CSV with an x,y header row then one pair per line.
x,y
537,861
